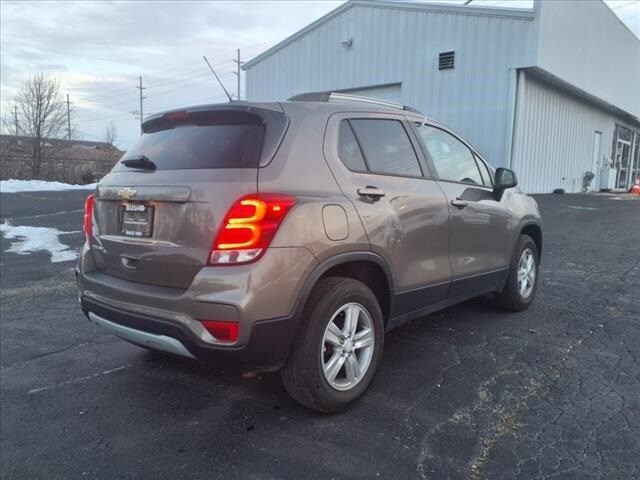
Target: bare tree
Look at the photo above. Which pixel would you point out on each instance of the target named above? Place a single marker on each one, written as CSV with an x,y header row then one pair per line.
x,y
42,114
110,133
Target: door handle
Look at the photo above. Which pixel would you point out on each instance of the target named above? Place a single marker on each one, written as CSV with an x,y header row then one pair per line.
x,y
460,203
372,192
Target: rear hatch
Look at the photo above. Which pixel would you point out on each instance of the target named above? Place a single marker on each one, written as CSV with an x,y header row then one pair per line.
x,y
158,211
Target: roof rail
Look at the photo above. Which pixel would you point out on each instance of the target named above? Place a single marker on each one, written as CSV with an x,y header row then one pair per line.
x,y
345,97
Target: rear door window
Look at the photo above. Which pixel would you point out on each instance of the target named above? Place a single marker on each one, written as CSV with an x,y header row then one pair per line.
x,y
386,147
194,146
349,150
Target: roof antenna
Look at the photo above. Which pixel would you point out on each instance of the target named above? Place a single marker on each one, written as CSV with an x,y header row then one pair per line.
x,y
218,78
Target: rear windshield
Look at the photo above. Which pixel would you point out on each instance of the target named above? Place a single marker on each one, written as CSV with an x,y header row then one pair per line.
x,y
201,146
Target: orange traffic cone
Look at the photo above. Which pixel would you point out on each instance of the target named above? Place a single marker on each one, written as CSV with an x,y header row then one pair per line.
x,y
636,186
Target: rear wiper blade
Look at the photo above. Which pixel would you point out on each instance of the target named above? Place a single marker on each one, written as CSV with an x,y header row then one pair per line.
x,y
141,161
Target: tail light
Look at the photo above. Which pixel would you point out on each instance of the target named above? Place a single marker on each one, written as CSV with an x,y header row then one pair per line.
x,y
222,331
249,227
88,215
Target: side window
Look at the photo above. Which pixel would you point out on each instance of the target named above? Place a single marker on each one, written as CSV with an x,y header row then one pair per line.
x,y
485,173
386,147
349,150
452,158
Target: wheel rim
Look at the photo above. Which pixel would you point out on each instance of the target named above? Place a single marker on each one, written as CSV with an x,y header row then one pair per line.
x,y
347,346
526,273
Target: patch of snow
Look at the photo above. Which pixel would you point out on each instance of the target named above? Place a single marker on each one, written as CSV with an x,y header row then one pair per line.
x,y
35,239
16,186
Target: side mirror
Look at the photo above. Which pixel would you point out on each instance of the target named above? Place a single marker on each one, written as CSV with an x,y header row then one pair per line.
x,y
505,178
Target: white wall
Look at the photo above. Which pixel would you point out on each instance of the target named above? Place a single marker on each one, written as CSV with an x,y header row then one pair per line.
x,y
393,45
554,137
580,42
585,44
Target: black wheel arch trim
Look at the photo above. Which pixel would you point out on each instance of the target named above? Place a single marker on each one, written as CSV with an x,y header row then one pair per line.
x,y
337,260
293,319
532,223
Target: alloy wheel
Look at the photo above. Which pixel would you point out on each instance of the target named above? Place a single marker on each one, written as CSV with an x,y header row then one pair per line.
x,y
526,273
347,346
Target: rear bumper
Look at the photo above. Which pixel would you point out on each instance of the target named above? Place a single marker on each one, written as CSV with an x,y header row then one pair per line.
x,y
262,298
267,347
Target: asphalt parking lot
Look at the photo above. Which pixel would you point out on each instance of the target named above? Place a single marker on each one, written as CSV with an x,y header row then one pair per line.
x,y
470,392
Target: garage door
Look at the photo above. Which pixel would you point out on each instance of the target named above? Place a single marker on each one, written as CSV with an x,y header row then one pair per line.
x,y
390,93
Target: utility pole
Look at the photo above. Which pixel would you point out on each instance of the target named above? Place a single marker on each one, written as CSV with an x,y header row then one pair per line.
x,y
238,72
15,117
68,118
140,87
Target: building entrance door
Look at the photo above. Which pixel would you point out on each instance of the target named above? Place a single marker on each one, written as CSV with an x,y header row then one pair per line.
x,y
635,169
624,157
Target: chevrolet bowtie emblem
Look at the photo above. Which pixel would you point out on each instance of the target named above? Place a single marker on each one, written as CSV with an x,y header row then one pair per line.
x,y
127,193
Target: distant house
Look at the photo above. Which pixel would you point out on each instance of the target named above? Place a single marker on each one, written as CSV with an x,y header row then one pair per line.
x,y
552,92
74,161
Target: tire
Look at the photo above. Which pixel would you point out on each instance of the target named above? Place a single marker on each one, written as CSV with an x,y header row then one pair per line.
x,y
512,297
331,300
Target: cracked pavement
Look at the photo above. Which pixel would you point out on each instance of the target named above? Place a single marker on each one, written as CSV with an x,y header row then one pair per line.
x,y
467,393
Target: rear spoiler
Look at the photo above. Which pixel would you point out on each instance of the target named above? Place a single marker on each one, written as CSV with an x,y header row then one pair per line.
x,y
270,115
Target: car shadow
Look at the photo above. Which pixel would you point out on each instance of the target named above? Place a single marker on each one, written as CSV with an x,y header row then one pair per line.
x,y
409,348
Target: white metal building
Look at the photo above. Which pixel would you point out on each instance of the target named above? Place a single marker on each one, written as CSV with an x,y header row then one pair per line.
x,y
552,92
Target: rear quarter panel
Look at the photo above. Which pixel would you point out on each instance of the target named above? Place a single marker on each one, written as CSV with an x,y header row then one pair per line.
x,y
299,169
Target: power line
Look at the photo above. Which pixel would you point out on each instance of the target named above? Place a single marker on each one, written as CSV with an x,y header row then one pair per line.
x,y
190,103
177,78
154,95
96,137
211,98
189,84
162,92
121,91
116,92
110,117
205,80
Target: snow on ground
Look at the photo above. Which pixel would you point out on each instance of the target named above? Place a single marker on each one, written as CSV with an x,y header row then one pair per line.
x,y
15,186
34,239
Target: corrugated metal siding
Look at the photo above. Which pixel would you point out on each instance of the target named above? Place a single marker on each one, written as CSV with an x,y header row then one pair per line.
x,y
390,93
395,45
553,144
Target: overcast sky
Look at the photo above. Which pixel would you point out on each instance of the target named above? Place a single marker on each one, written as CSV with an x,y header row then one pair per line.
x,y
98,49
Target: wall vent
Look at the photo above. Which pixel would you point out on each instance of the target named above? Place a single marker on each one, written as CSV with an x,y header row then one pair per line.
x,y
446,60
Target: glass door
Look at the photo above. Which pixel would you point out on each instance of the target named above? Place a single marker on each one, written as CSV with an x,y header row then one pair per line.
x,y
635,169
623,156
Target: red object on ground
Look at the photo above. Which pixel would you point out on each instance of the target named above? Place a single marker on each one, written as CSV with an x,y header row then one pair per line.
x,y
636,187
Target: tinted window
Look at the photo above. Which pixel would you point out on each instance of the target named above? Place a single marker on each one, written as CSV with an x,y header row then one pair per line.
x,y
202,146
386,147
349,150
452,158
